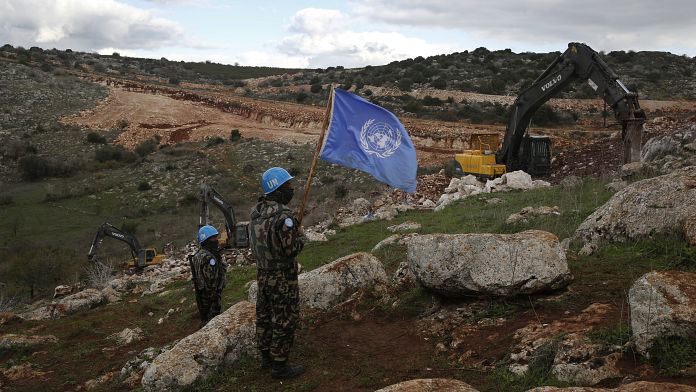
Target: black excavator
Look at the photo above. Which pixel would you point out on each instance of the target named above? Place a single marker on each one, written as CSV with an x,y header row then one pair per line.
x,y
236,235
532,154
141,257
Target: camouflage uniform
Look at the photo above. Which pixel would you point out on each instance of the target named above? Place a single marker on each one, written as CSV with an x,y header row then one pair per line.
x,y
208,273
275,241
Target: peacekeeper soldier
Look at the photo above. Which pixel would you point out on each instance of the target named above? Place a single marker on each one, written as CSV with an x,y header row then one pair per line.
x,y
208,274
276,239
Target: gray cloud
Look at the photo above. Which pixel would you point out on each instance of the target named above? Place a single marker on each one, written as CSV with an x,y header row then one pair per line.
x,y
84,25
605,25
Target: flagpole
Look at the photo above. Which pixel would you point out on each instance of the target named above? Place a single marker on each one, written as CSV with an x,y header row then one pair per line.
x,y
324,125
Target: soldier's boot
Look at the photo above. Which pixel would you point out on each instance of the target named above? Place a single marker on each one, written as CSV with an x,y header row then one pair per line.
x,y
266,360
281,370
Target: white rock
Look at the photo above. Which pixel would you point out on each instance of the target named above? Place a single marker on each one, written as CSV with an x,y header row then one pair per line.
x,y
580,362
62,290
453,185
663,304
127,336
11,340
334,282
225,339
84,300
430,385
498,264
518,180
665,204
406,226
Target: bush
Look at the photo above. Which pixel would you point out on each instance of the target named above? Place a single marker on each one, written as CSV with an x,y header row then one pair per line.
x,y
315,88
214,141
6,200
114,153
671,354
94,137
34,167
301,96
145,148
235,135
144,186
341,191
174,81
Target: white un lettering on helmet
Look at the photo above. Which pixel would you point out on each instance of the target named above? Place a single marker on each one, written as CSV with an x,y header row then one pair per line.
x,y
272,182
212,261
289,223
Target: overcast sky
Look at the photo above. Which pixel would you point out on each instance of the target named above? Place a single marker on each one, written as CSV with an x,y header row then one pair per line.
x,y
350,33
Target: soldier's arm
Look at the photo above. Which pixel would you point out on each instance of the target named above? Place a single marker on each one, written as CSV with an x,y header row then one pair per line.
x,y
290,235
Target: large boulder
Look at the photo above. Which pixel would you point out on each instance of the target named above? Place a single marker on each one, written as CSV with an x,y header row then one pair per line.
x,y
663,304
225,339
334,282
641,386
430,385
665,204
84,300
497,264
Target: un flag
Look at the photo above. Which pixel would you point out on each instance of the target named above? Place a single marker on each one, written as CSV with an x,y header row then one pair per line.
x,y
367,137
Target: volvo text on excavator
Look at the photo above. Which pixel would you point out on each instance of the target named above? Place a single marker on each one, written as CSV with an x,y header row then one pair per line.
x,y
141,257
236,235
532,154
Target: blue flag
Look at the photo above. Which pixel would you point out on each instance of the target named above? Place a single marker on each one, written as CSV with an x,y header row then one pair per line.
x,y
367,137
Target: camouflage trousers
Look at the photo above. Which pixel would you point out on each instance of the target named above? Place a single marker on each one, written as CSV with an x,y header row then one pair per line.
x,y
277,311
208,305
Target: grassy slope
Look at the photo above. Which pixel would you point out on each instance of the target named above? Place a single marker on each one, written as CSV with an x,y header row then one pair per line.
x,y
602,277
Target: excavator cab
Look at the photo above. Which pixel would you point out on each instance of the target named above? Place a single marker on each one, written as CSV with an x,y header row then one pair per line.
x,y
535,155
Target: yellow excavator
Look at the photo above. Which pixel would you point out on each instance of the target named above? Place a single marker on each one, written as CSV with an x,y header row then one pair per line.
x,y
532,154
141,257
236,234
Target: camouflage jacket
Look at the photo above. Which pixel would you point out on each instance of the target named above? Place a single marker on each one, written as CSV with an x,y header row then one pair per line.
x,y
208,271
274,235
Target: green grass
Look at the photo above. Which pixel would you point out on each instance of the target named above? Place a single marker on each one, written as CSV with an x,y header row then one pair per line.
x,y
671,354
616,335
539,373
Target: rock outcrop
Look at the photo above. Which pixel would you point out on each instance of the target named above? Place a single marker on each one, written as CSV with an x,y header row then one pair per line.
x,y
84,300
225,339
665,204
663,304
496,264
528,213
127,336
334,282
581,362
641,386
11,340
430,385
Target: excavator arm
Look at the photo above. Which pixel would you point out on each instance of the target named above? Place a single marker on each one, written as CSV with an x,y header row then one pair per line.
x,y
109,230
578,62
237,236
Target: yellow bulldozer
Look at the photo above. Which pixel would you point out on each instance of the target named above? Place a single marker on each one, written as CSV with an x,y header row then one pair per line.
x,y
141,257
479,159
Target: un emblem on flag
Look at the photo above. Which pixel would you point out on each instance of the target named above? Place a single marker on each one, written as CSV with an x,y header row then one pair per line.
x,y
379,138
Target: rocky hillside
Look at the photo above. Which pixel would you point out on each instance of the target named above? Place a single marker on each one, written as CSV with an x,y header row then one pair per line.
x,y
583,279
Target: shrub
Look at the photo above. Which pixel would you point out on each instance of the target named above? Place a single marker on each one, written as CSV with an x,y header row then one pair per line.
x,y
6,200
109,153
214,141
94,137
671,354
341,191
235,135
144,186
301,96
174,81
315,88
34,167
145,148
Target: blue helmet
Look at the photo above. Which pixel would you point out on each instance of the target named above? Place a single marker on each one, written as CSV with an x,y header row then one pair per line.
x,y
273,178
206,232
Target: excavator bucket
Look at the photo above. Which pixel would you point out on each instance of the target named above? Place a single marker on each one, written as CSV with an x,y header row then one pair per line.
x,y
632,139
